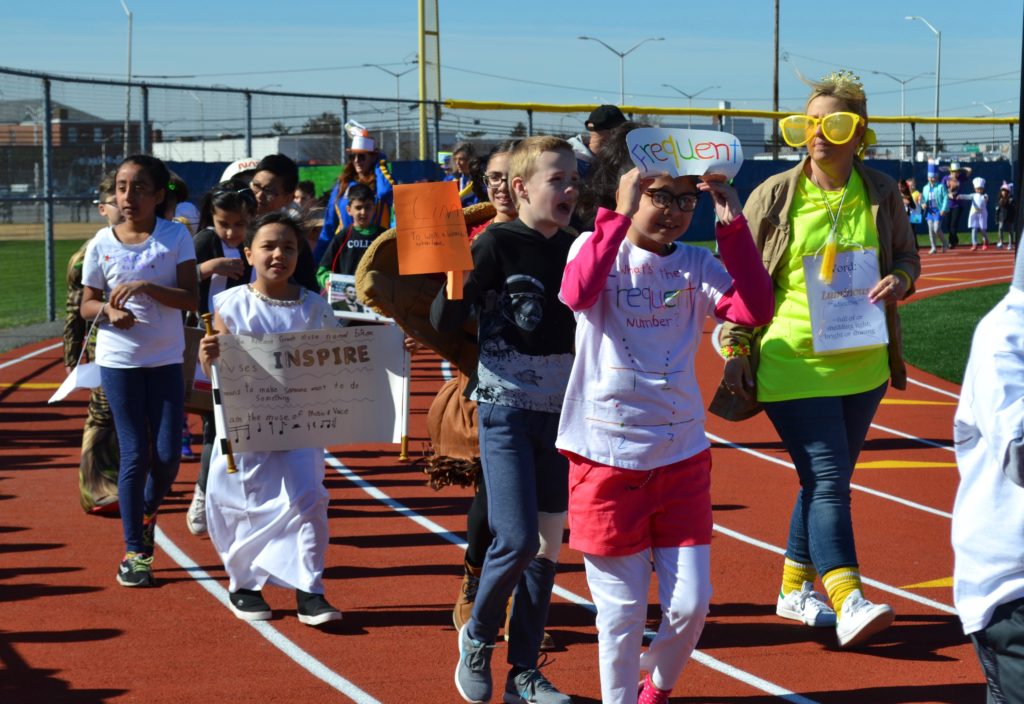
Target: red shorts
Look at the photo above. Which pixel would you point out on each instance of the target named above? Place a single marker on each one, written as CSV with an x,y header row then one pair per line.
x,y
615,512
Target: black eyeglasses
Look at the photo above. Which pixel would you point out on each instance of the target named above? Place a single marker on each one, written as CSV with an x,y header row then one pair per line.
x,y
663,198
494,179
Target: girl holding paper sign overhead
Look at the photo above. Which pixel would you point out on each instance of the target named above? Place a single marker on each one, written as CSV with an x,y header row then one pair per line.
x,y
268,521
827,215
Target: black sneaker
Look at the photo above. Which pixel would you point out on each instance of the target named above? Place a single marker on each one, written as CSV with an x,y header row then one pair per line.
x,y
136,570
248,605
314,610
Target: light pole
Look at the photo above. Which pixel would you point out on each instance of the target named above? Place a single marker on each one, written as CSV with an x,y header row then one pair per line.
x,y
398,106
128,87
993,113
938,75
622,60
202,126
903,110
689,121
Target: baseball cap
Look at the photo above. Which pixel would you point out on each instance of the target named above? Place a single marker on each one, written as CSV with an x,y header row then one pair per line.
x,y
243,167
604,117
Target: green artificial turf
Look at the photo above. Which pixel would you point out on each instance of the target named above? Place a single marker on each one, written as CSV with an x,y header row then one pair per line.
x,y
937,331
23,280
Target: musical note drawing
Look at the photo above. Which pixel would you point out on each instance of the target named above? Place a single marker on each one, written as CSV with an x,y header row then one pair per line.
x,y
238,429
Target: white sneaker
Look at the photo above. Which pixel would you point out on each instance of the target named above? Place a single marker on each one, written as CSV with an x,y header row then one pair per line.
x,y
195,518
859,619
807,606
932,251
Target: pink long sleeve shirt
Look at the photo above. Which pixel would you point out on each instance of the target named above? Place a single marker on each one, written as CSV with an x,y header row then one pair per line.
x,y
632,400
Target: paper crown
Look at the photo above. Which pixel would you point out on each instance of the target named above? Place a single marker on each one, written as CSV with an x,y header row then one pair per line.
x,y
933,168
1008,187
978,182
360,136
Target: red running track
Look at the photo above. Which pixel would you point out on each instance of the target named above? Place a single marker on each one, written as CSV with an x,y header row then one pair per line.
x,y
69,633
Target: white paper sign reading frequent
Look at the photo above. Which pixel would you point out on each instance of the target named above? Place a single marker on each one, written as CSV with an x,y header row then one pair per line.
x,y
318,388
679,152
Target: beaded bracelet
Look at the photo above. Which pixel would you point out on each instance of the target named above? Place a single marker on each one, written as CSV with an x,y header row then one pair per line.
x,y
737,350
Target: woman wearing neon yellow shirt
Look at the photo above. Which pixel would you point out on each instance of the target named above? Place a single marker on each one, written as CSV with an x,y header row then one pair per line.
x,y
827,213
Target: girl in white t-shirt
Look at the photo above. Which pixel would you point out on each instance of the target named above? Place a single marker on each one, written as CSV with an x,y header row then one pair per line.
x,y
146,268
632,423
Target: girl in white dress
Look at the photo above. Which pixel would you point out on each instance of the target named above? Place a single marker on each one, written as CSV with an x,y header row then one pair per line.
x,y
269,521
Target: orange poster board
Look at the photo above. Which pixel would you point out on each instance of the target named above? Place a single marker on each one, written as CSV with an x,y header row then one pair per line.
x,y
432,234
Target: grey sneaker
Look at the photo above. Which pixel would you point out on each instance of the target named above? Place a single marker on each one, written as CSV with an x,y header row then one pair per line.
x,y
195,517
532,687
473,674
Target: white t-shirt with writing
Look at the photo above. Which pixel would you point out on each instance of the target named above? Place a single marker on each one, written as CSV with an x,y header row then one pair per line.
x,y
157,338
633,400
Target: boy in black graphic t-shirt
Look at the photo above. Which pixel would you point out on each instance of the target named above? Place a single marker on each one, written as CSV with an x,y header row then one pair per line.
x,y
526,340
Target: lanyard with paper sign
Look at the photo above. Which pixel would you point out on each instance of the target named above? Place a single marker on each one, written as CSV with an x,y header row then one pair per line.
x,y
843,318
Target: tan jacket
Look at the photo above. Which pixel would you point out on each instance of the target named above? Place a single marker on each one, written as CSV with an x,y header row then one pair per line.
x,y
767,211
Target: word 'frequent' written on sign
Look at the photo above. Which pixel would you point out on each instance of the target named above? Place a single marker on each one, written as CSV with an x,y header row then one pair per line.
x,y
680,152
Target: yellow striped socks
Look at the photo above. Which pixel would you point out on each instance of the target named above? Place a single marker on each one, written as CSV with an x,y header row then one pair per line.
x,y
794,574
839,583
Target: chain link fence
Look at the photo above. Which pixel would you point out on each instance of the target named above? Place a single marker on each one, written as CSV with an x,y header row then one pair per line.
x,y
59,135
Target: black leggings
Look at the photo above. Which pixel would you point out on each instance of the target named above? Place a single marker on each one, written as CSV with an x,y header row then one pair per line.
x,y
478,532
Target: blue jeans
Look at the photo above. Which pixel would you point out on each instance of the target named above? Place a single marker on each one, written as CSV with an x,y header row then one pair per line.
x,y
524,474
824,436
147,404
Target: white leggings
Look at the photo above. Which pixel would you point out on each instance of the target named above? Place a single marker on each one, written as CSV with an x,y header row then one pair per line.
x,y
619,587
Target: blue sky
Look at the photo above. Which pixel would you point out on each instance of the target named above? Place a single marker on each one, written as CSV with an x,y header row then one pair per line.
x,y
531,49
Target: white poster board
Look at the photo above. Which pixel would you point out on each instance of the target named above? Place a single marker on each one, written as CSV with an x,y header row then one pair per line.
x,y
288,391
341,294
679,152
842,316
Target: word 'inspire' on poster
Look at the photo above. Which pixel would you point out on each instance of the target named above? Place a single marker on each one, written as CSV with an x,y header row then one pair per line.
x,y
431,229
680,152
288,391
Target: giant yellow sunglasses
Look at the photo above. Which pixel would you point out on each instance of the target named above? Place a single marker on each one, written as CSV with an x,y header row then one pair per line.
x,y
837,127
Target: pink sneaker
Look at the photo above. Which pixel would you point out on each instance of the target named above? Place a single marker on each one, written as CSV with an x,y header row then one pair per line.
x,y
974,248
650,694
984,247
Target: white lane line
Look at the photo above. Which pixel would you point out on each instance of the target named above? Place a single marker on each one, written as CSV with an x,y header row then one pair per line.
x,y
965,284
287,646
923,441
728,670
936,389
858,487
881,586
30,355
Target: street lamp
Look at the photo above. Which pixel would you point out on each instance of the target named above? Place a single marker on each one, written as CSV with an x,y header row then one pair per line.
x,y
622,60
202,126
128,87
903,110
993,113
938,74
398,106
689,122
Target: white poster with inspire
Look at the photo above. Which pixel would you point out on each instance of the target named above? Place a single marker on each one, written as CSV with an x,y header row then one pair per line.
x,y
318,388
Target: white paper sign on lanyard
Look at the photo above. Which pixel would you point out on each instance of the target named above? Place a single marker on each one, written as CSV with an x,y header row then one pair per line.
x,y
842,316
